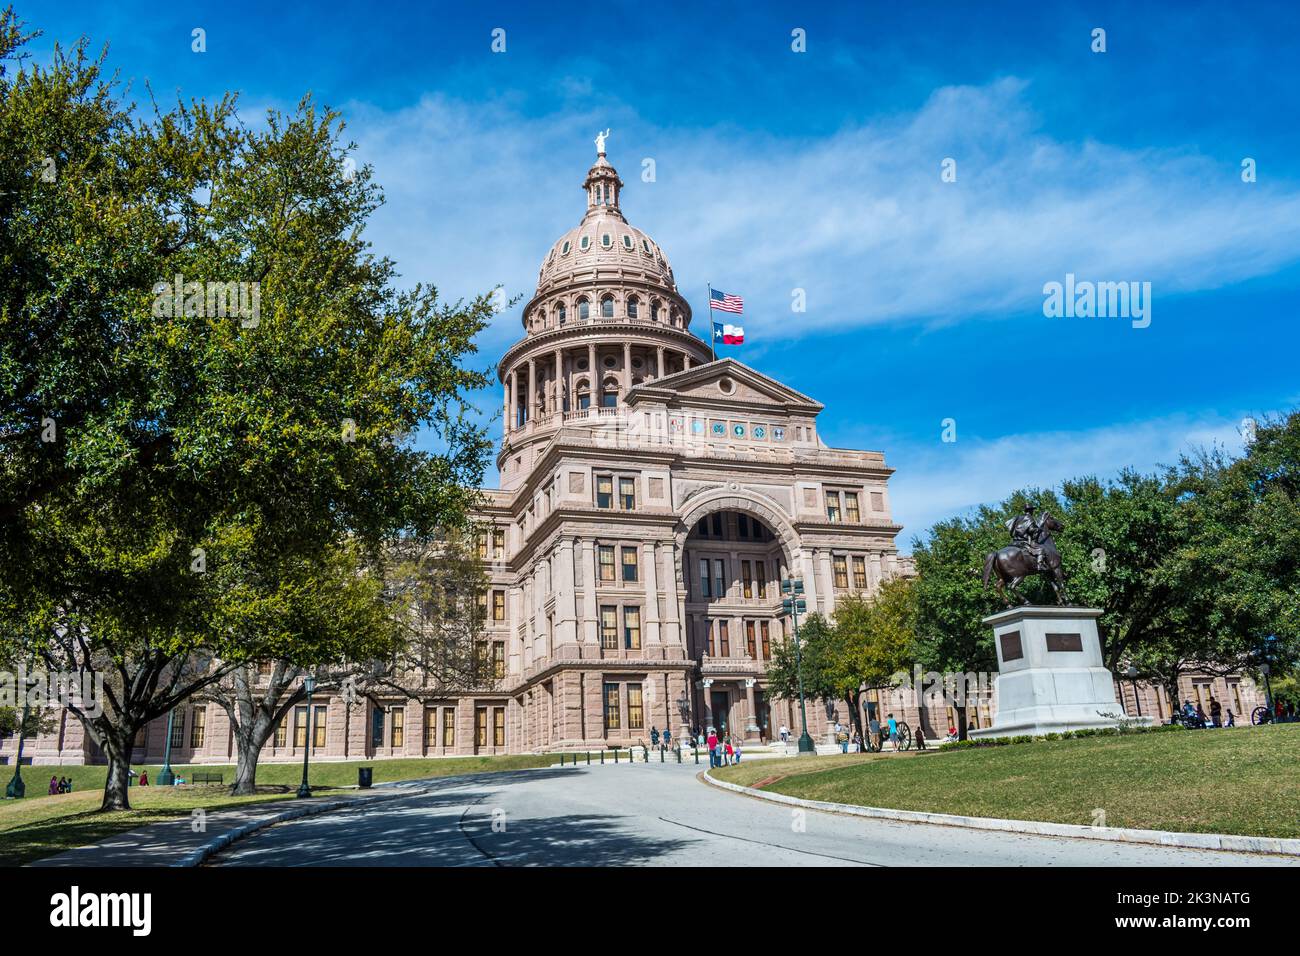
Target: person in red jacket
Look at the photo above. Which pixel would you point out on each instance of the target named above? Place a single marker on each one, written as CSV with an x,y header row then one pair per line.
x,y
714,760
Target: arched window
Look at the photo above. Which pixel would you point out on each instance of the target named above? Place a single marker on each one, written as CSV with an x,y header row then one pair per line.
x,y
656,310
609,394
633,306
584,393
561,313
584,309
607,307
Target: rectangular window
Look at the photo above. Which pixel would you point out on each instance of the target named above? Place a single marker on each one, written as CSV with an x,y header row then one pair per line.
x,y
198,727
376,727
761,568
635,712
767,641
629,564
751,643
178,729
632,628
841,564
604,491
431,728
708,635
282,731
482,546
613,713
480,726
608,627
719,578
449,726
627,494
833,507
747,579
499,727
605,554
716,518
859,572
704,577
851,513
498,659
263,668
300,727
499,544
742,525
481,605
724,640
498,605
319,726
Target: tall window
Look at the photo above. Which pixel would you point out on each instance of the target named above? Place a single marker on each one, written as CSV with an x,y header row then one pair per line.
x,y
198,727
431,728
605,552
833,507
747,579
627,494
282,731
607,307
724,640
300,727
629,564
632,305
498,659
751,644
719,578
635,712
481,606
859,572
561,313
632,628
178,729
851,513
483,546
499,543
613,713
716,518
498,605
608,627
767,641
841,571
584,394
449,726
704,578
318,727
377,727
708,636
499,727
584,310
480,726
398,735
760,568
604,491
742,525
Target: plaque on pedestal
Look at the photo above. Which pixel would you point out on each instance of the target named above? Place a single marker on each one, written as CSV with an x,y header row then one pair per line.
x,y
1050,673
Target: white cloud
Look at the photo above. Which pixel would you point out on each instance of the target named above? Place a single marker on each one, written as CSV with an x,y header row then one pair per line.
x,y
860,219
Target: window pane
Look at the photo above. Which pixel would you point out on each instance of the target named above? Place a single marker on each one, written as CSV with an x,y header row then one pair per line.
x,y
851,506
632,628
449,727
605,491
629,564
480,726
859,572
833,506
751,647
767,642
724,640
841,571
300,726
635,713
608,627
627,493
498,605
719,578
399,727
318,727
606,553
498,659
704,577
613,715
499,727
761,569
747,579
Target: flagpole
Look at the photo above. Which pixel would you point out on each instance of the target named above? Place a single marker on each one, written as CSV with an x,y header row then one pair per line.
x,y
713,352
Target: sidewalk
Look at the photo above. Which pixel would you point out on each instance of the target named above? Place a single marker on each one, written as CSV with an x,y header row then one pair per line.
x,y
178,842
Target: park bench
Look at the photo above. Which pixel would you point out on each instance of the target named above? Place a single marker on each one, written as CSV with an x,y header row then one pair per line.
x,y
206,776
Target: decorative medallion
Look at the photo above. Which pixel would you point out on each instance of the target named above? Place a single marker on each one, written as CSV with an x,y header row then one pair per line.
x,y
719,429
738,430
778,433
697,427
760,432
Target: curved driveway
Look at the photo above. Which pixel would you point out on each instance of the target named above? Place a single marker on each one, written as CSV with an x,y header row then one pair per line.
x,y
650,815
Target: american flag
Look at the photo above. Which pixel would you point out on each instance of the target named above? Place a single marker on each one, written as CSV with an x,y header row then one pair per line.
x,y
722,302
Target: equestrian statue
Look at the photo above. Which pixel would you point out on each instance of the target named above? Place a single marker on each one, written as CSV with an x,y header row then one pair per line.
x,y
1032,551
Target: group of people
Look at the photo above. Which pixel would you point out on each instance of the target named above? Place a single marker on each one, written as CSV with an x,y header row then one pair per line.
x,y
667,739
723,751
60,785
1195,714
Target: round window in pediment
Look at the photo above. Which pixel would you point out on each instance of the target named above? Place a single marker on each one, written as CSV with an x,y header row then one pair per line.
x,y
609,361
726,386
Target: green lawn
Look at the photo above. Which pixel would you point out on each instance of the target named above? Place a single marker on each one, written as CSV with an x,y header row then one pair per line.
x,y
40,825
1242,780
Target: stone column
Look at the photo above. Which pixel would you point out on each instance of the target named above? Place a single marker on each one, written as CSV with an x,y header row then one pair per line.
x,y
514,398
875,571
627,366
505,401
566,604
751,718
589,610
559,382
659,362
593,376
686,359
808,571
649,559
827,581
671,628
532,389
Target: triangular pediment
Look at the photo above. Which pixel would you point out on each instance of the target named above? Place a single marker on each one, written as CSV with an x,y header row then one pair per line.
x,y
724,381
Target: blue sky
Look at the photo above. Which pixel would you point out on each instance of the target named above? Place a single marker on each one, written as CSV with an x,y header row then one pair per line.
x,y
820,171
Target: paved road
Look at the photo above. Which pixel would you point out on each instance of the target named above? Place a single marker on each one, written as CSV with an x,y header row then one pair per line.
x,y
650,815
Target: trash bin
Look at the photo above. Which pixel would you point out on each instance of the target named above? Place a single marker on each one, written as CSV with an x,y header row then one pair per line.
x,y
364,776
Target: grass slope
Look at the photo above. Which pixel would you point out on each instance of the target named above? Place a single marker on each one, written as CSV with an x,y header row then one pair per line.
x,y
1244,780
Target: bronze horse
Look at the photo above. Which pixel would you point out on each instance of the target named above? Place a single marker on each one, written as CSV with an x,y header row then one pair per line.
x,y
1013,564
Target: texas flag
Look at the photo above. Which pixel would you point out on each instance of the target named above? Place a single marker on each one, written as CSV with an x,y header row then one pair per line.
x,y
728,334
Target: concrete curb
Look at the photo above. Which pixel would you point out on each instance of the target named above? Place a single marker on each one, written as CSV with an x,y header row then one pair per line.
x,y
200,855
1196,841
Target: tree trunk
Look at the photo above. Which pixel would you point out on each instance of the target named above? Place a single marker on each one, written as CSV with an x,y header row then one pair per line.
x,y
855,709
116,785
248,750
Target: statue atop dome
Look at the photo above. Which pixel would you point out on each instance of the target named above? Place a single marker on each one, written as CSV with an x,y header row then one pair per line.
x,y
600,142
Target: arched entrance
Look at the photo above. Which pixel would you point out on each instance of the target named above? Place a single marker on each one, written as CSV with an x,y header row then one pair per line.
x,y
733,553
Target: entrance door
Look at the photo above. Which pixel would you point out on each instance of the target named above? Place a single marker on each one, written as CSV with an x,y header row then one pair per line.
x,y
761,714
719,701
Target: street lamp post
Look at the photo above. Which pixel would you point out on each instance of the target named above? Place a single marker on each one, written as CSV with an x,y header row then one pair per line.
x,y
1133,676
309,685
1268,689
792,604
166,777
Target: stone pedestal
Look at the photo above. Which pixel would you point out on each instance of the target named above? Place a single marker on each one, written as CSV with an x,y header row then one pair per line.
x,y
1050,673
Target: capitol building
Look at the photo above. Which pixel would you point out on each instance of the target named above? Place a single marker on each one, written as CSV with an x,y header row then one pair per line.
x,y
652,498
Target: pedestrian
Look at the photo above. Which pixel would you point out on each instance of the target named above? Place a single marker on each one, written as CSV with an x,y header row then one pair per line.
x,y
893,732
843,740
952,732
1216,712
785,734
144,778
63,785
873,731
857,742
737,750
729,752
713,748
69,787
920,738
1232,720
54,785
668,739
654,736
